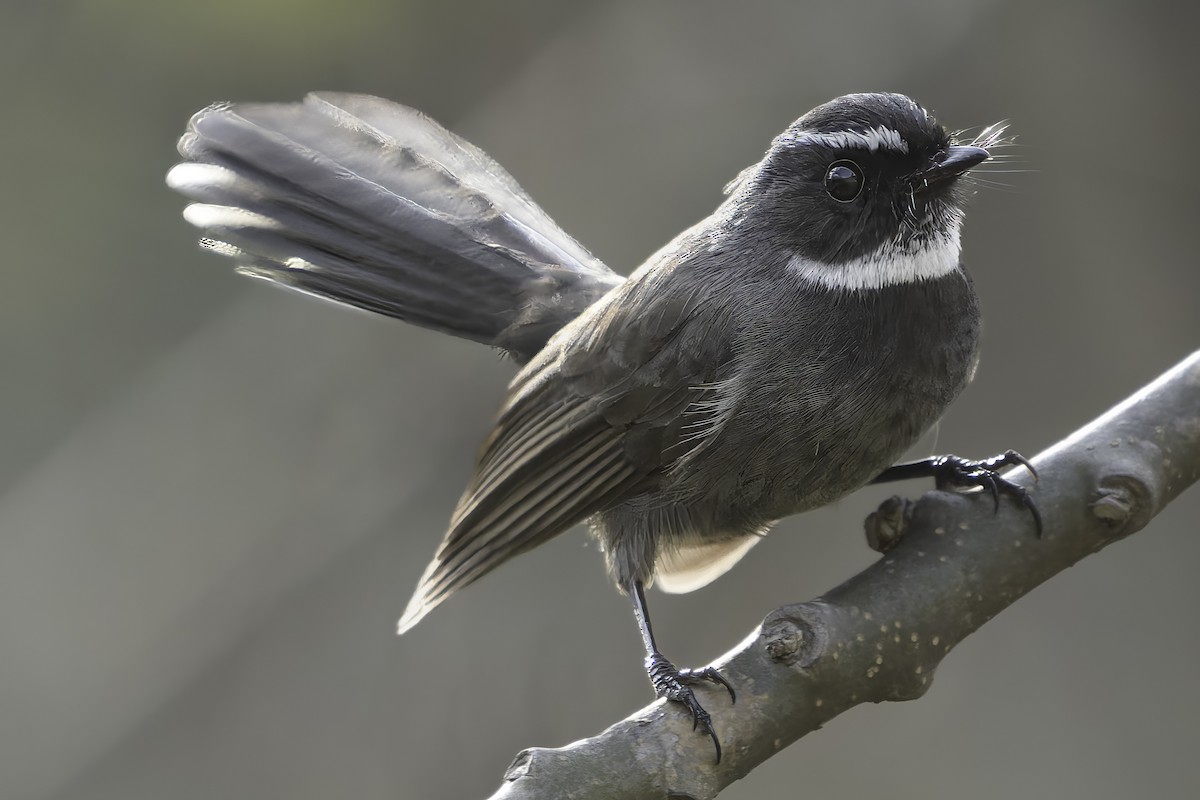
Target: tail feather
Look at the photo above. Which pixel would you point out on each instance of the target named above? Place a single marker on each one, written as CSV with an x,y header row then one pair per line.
x,y
373,204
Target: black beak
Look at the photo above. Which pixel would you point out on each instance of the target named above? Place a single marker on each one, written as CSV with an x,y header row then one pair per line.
x,y
958,160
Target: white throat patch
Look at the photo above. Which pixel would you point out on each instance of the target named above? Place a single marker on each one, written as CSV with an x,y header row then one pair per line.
x,y
892,264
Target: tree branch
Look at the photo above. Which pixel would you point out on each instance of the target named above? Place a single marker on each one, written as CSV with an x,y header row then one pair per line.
x,y
881,634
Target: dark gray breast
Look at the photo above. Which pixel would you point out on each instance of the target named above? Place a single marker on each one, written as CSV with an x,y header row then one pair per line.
x,y
835,386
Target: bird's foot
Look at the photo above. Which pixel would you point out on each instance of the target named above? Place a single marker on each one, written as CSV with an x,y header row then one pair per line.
x,y
953,471
675,684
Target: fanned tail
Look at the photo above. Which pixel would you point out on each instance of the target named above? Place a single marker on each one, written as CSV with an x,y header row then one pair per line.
x,y
373,204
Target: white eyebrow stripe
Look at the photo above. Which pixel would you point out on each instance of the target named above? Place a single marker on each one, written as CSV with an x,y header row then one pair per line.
x,y
871,139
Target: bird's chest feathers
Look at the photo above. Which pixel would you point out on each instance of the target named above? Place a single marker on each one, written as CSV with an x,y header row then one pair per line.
x,y
852,380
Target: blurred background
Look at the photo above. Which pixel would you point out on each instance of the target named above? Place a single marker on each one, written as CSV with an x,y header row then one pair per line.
x,y
216,497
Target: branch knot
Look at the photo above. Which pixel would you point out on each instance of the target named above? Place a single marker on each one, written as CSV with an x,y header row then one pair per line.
x,y
792,634
1122,503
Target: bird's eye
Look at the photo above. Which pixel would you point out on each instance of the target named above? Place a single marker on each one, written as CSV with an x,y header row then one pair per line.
x,y
844,181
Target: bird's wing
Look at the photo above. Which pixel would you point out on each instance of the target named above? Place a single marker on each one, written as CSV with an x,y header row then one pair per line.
x,y
593,421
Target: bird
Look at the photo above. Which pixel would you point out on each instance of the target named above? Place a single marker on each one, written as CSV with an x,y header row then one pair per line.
x,y
779,354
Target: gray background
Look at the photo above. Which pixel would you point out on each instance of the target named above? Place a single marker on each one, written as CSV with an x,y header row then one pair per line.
x,y
216,497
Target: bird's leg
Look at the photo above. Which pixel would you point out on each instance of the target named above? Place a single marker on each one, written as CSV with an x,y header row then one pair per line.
x,y
953,471
668,680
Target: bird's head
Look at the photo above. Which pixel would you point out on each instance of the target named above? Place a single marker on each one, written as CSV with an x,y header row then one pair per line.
x,y
864,191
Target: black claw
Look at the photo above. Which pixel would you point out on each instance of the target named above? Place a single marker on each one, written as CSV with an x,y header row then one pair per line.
x,y
1037,515
719,678
675,684
712,735
1017,458
992,485
692,676
962,472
